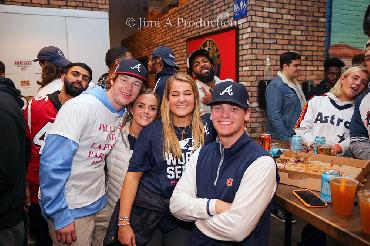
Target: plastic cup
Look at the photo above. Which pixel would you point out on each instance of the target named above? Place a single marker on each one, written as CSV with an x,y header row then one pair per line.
x,y
364,199
343,190
324,149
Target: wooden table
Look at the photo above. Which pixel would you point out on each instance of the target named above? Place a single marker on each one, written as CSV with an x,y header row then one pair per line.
x,y
346,229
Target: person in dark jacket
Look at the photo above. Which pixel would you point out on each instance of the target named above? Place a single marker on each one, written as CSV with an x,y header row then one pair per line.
x,y
162,62
12,165
112,59
332,71
228,184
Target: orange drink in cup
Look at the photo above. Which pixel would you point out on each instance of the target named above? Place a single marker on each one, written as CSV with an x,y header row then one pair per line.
x,y
343,192
364,200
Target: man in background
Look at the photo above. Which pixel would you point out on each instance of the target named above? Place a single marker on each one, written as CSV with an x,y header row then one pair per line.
x,y
112,59
162,63
201,67
284,98
332,71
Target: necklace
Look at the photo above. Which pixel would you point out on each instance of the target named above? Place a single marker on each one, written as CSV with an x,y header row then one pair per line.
x,y
182,131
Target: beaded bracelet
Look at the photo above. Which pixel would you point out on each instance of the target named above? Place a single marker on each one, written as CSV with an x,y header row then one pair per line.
x,y
123,218
128,223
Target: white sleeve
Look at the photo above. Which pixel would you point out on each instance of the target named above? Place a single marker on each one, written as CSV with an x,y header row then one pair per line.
x,y
345,145
255,192
184,204
305,129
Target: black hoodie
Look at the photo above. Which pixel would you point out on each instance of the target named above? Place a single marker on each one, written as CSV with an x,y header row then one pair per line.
x,y
12,155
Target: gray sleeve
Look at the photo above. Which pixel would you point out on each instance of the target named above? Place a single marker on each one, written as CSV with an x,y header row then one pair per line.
x,y
361,149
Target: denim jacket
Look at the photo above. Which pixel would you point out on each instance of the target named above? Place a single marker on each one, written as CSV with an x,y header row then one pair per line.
x,y
283,109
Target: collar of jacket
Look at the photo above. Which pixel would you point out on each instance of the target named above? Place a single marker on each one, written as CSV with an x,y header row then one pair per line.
x,y
236,147
167,71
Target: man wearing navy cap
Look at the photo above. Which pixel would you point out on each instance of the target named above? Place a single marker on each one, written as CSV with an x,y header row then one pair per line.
x,y
52,61
72,179
162,62
228,184
201,67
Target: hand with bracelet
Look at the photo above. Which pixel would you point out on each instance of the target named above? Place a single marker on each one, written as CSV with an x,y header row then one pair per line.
x,y
125,233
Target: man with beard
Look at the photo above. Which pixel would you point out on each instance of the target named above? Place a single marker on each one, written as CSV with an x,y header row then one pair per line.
x,y
40,115
201,67
72,178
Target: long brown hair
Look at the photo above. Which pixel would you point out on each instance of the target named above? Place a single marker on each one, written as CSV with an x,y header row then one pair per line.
x,y
49,73
128,116
171,144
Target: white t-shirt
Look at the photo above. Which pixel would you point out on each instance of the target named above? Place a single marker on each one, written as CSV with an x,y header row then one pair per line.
x,y
89,123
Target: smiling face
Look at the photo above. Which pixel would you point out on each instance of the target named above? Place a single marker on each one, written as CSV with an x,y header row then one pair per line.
x,y
124,90
181,102
353,84
144,110
228,121
202,69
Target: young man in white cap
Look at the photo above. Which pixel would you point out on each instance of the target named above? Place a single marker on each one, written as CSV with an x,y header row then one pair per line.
x,y
228,184
72,179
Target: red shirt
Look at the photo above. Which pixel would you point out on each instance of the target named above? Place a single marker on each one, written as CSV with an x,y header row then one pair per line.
x,y
39,114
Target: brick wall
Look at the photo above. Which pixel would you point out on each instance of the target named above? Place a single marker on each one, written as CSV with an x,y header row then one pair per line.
x,y
93,5
272,27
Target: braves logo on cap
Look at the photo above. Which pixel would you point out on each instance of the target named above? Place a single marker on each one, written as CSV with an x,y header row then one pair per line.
x,y
137,67
60,53
228,90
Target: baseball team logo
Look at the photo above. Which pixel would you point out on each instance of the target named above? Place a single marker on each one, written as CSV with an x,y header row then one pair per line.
x,y
228,90
137,67
229,182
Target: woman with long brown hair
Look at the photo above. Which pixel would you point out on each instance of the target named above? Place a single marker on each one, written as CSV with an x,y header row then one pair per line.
x,y
52,61
157,164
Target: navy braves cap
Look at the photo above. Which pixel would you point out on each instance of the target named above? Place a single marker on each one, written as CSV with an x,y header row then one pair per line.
x,y
230,92
54,55
166,54
193,55
132,67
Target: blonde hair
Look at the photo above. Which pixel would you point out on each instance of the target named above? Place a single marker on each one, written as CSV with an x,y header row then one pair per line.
x,y
171,144
336,90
